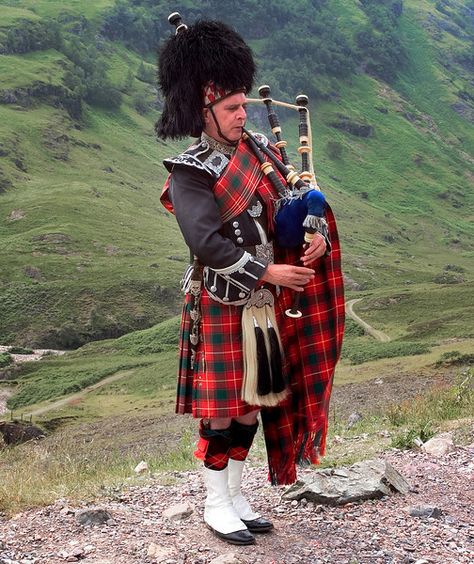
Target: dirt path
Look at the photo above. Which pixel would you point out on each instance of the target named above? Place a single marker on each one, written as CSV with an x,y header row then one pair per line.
x,y
64,401
5,393
37,354
379,335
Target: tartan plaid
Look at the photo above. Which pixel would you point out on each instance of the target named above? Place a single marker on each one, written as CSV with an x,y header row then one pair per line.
x,y
235,188
295,431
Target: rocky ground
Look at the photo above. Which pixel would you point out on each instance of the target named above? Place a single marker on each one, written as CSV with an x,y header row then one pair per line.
x,y
388,530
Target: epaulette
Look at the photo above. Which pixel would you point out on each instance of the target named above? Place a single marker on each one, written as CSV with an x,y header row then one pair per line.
x,y
202,157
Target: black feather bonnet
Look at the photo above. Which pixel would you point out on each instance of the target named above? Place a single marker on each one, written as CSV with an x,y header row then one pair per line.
x,y
207,51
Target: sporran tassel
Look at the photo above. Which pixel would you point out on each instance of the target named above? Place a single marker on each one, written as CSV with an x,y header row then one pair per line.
x,y
278,382
263,379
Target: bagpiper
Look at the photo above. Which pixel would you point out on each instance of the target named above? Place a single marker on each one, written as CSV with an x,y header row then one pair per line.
x,y
240,356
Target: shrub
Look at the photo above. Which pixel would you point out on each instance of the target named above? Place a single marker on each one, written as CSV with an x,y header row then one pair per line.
x,y
5,359
358,353
334,150
20,350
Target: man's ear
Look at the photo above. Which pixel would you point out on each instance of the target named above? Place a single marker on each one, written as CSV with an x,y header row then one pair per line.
x,y
206,115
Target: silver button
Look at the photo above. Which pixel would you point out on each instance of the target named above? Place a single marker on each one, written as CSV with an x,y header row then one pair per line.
x,y
240,240
252,259
235,224
237,231
225,299
242,295
241,270
213,288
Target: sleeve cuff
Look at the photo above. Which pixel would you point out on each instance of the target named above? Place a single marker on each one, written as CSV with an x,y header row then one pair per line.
x,y
232,285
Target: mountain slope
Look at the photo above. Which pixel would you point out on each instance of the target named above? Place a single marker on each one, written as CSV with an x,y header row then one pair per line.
x,y
86,250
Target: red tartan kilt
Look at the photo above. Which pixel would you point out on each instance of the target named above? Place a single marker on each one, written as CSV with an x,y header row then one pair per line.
x,y
213,388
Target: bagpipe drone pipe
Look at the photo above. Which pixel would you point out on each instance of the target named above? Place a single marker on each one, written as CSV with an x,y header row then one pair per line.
x,y
300,209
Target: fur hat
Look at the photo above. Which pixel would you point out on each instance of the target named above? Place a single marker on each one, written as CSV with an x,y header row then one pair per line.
x,y
197,67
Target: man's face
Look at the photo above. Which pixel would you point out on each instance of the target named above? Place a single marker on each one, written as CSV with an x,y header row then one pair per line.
x,y
231,115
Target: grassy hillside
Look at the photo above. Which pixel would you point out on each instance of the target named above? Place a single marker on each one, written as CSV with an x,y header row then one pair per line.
x,y
86,250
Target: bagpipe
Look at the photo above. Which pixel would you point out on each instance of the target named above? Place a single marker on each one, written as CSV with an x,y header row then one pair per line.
x,y
300,209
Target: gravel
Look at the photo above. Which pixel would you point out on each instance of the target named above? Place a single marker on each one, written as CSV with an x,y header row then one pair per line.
x,y
379,531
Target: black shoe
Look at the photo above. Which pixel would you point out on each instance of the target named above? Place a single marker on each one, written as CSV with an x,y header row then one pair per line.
x,y
259,525
242,537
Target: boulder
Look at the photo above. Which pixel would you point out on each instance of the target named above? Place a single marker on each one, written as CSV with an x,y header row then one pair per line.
x,y
16,432
178,512
370,479
93,516
440,445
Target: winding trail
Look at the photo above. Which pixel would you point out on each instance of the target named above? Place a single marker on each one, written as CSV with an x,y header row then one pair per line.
x,y
376,334
79,395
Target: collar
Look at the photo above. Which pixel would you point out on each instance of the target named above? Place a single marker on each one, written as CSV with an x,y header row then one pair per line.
x,y
217,145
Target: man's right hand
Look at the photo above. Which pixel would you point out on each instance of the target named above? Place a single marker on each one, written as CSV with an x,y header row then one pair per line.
x,y
294,277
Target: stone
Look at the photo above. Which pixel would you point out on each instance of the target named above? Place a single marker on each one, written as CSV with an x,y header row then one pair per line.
x,y
16,432
93,516
141,467
370,479
440,445
178,511
425,511
229,558
353,419
158,553
16,215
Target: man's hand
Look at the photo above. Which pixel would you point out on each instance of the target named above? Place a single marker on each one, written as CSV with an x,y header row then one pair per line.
x,y
314,250
294,277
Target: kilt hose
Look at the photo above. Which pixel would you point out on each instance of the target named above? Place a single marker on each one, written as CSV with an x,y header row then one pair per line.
x,y
295,431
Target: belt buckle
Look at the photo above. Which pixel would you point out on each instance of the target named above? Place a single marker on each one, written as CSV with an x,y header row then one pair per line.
x,y
265,251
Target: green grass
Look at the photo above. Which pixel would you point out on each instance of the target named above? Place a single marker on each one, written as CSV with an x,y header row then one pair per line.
x,y
358,351
83,465
24,70
10,14
150,354
424,313
5,359
403,198
51,8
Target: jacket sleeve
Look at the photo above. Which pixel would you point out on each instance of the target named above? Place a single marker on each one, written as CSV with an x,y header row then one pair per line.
x,y
198,217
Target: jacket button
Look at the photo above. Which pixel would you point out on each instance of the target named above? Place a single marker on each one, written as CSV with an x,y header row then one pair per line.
x,y
237,231
235,224
240,240
242,295
241,270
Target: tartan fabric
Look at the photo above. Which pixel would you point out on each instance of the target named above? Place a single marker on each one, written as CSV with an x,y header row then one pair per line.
x,y
295,431
235,188
213,447
241,439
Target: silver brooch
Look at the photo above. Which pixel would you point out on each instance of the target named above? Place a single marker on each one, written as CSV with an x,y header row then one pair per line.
x,y
256,210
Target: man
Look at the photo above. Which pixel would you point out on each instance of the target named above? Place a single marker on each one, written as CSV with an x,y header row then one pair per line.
x,y
224,206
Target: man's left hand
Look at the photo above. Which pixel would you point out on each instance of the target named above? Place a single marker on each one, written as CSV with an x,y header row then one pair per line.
x,y
314,250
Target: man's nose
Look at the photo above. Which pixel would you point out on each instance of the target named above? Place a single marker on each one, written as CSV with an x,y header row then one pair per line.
x,y
242,113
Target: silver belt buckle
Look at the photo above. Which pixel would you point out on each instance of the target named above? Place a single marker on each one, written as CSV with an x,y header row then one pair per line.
x,y
265,251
